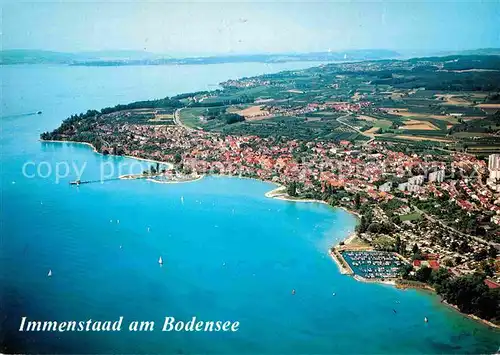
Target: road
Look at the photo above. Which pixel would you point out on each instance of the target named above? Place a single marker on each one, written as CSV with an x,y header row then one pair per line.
x,y
177,121
372,138
348,125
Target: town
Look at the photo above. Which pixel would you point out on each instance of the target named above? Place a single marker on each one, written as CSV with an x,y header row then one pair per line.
x,y
428,199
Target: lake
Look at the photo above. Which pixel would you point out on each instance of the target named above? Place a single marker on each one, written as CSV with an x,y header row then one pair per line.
x,y
229,253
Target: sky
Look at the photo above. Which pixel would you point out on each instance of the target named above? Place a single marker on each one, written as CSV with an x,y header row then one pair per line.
x,y
233,27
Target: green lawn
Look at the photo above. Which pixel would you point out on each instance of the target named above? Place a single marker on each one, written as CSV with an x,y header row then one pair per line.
x,y
191,116
410,217
382,123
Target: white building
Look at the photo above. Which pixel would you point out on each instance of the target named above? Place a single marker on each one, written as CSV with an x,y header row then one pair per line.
x,y
386,187
414,188
416,180
437,176
494,162
494,168
403,186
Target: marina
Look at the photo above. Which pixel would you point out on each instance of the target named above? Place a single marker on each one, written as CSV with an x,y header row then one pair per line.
x,y
373,264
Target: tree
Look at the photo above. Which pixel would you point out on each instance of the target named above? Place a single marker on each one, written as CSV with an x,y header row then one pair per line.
x,y
488,305
492,252
464,247
481,255
291,190
423,274
374,228
440,276
397,244
465,292
472,226
405,270
357,201
231,118
448,262
363,224
487,268
177,158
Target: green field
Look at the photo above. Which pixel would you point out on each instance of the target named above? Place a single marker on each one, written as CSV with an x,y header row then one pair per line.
x,y
191,116
410,217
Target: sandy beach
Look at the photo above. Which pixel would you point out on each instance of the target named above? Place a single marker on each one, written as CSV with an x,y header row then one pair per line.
x,y
279,193
176,182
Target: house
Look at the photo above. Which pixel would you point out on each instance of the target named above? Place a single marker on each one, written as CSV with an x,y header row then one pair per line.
x,y
491,283
434,264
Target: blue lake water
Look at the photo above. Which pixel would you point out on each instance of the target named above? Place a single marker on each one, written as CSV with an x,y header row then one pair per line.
x,y
229,252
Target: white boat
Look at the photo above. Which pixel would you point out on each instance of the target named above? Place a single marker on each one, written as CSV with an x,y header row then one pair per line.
x,y
50,273
182,199
160,261
425,319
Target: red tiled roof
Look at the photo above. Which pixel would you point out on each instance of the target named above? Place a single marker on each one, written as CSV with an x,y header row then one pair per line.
x,y
434,264
431,256
491,284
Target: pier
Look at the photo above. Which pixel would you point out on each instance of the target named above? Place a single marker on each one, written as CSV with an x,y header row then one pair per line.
x,y
81,182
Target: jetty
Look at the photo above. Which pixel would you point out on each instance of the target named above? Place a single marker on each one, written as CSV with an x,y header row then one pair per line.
x,y
81,182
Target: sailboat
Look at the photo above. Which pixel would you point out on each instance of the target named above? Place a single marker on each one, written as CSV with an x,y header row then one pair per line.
x,y
160,261
50,273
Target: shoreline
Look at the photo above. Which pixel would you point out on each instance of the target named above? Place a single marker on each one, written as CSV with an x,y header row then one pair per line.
x,y
169,165
269,194
339,260
396,283
176,182
151,178
284,196
472,316
343,270
381,281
